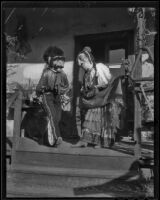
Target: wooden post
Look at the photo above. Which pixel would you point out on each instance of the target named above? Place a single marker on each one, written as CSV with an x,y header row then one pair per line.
x,y
137,127
17,125
138,74
12,99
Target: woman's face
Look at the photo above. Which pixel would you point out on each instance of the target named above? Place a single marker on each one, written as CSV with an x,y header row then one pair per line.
x,y
84,62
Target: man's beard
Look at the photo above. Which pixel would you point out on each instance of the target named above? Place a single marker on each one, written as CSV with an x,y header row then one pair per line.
x,y
55,66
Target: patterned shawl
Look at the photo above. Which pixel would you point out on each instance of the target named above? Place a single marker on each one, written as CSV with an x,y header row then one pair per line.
x,y
113,92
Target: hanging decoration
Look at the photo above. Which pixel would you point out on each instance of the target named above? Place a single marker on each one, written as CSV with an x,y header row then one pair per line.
x,y
149,23
18,43
10,42
22,45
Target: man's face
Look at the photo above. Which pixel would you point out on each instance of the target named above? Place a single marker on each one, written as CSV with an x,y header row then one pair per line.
x,y
57,62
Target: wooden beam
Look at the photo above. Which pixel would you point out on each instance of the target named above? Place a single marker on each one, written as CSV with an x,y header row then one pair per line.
x,y
17,125
138,57
137,74
143,79
137,128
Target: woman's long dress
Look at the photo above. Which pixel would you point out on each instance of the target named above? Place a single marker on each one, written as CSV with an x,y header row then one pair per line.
x,y
95,122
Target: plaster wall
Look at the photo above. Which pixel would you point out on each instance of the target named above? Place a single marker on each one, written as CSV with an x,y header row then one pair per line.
x,y
59,27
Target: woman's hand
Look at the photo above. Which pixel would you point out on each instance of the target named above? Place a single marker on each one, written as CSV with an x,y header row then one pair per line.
x,y
90,93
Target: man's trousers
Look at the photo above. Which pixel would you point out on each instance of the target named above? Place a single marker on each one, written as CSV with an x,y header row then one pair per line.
x,y
52,106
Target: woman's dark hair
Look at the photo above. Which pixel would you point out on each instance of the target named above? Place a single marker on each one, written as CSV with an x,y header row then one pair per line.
x,y
52,51
88,53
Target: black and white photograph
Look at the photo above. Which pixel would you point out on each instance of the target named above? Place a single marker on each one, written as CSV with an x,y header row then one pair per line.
x,y
80,99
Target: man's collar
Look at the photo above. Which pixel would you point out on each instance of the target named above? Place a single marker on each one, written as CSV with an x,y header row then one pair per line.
x,y
53,70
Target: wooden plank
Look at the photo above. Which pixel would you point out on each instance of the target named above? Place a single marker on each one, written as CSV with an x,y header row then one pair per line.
x,y
72,172
107,189
74,161
29,145
134,67
17,125
11,100
39,185
143,79
38,190
137,70
137,125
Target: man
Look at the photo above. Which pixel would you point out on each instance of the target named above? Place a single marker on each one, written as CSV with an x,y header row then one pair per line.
x,y
52,84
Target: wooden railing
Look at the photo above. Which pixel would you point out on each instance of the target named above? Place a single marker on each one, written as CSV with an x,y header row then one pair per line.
x,y
12,99
17,124
139,57
137,107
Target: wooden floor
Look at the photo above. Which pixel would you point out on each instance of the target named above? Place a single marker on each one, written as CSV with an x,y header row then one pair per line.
x,y
124,147
41,171
39,185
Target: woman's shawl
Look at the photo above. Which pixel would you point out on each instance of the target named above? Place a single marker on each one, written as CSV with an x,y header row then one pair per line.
x,y
114,91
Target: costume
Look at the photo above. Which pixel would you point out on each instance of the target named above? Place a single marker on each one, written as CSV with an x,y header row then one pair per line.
x,y
52,85
96,93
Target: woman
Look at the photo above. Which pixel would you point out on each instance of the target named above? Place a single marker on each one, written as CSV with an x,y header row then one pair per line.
x,y
93,117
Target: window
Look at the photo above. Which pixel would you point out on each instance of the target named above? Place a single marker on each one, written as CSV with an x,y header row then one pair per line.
x,y
116,55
